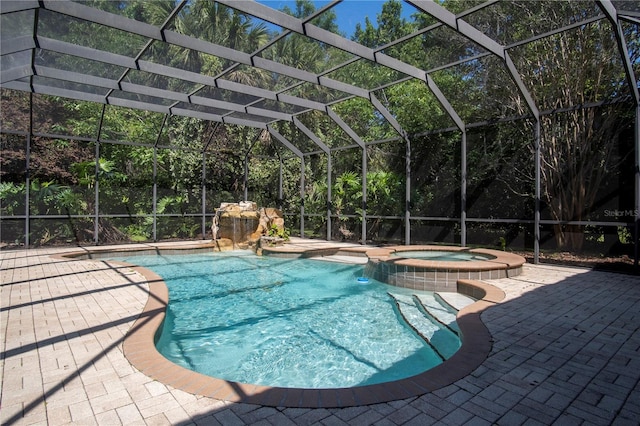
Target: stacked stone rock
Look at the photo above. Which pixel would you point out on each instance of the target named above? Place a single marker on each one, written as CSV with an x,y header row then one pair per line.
x,y
244,224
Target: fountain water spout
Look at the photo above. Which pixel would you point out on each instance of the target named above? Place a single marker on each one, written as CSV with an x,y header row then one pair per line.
x,y
215,227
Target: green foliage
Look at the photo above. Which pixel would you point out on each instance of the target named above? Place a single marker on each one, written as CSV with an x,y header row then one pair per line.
x,y
72,202
172,204
277,232
347,193
360,115
181,227
561,71
45,198
416,108
12,198
624,235
384,194
106,172
140,231
391,26
44,195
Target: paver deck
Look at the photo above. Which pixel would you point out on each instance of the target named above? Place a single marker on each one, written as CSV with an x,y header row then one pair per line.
x,y
566,350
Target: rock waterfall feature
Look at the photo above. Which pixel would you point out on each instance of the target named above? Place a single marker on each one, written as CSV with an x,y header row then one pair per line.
x,y
242,225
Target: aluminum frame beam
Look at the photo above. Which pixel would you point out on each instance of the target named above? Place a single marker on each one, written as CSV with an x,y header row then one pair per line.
x,y
14,78
462,27
452,21
403,134
327,152
632,82
80,11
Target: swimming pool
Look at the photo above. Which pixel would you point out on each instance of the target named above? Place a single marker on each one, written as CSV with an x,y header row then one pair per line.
x,y
282,322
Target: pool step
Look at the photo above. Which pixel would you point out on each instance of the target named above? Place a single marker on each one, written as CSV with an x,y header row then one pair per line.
x,y
455,300
444,341
352,260
438,309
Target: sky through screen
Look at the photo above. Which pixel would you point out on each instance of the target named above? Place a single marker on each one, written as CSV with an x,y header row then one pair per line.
x,y
348,13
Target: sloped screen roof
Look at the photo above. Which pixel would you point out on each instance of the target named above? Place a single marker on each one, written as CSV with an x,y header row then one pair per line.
x,y
167,66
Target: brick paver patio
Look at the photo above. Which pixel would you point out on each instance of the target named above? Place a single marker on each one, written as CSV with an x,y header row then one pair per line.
x,y
566,350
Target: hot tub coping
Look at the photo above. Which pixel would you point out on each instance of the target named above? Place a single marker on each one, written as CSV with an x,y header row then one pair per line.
x,y
498,259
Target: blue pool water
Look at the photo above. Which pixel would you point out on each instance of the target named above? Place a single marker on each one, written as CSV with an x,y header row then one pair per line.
x,y
442,255
283,322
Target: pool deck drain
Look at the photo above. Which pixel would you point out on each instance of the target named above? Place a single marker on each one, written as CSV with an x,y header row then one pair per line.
x,y
566,349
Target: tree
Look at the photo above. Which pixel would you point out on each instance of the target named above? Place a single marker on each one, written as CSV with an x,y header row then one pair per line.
x,y
579,143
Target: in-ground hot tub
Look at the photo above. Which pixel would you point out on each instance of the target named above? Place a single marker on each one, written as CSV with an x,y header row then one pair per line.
x,y
438,268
